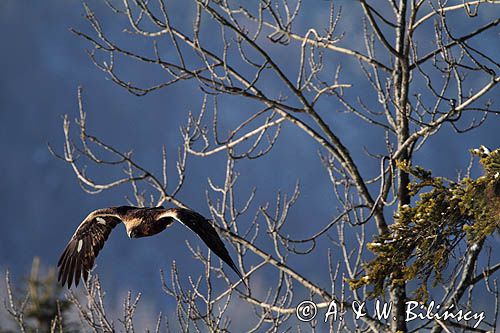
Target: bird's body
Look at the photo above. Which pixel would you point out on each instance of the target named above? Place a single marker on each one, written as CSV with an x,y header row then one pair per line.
x,y
144,222
80,253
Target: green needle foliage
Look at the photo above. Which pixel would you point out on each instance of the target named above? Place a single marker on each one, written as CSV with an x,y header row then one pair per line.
x,y
423,237
43,308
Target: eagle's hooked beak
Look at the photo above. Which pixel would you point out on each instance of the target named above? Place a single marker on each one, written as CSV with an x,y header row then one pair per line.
x,y
133,233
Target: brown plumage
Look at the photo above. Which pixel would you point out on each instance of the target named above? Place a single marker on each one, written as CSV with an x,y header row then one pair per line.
x,y
80,253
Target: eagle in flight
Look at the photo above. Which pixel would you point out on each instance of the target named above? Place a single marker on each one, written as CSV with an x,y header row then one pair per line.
x,y
79,255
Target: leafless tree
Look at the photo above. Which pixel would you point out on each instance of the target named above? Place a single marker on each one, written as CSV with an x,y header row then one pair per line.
x,y
423,66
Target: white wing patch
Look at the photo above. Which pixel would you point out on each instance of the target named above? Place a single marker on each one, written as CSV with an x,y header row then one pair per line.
x,y
80,244
100,220
169,213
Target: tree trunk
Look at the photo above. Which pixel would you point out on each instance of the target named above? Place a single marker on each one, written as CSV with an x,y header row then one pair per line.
x,y
401,83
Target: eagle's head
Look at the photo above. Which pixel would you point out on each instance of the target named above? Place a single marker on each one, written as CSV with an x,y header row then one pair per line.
x,y
134,233
137,232
135,228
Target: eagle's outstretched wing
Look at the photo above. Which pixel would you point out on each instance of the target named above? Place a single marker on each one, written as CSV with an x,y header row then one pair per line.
x,y
80,253
202,227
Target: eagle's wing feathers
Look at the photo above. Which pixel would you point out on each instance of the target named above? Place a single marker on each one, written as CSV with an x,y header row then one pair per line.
x,y
202,227
80,253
